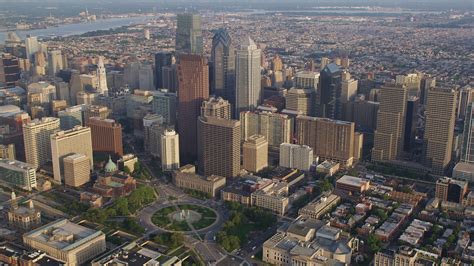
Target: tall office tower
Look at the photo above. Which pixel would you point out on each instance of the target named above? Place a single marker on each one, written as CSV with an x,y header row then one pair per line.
x,y
131,75
170,78
162,59
255,153
77,170
62,91
348,87
218,146
363,113
388,138
223,60
276,128
18,174
75,86
358,146
32,46
189,34
164,104
412,81
466,96
467,149
193,74
152,129
65,143
277,64
95,111
330,139
106,135
9,70
296,156
328,97
145,77
307,80
169,150
411,119
7,151
300,100
217,107
55,62
426,83
324,62
439,128
36,136
247,77
70,117
101,77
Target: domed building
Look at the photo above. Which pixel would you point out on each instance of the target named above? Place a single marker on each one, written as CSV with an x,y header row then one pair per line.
x,y
110,167
114,183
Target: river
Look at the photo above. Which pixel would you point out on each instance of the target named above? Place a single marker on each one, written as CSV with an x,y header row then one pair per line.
x,y
78,28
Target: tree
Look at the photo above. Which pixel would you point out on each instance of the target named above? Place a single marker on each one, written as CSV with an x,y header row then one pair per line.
x,y
121,207
176,240
126,169
374,244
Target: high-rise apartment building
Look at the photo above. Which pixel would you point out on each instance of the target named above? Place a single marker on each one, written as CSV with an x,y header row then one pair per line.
x,y
328,97
276,128
330,139
218,146
7,151
439,129
70,117
296,156
77,170
255,153
106,135
164,104
467,149
193,74
162,59
65,143
389,135
217,107
223,60
36,136
18,174
189,34
169,150
247,76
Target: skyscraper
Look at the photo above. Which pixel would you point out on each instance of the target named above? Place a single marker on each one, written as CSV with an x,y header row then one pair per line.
x,y
32,46
55,62
300,100
389,135
189,34
328,97
439,128
217,107
255,153
164,104
193,74
36,135
467,150
276,128
411,118
296,156
9,70
223,59
65,143
106,135
101,77
169,150
218,146
70,117
248,76
95,111
76,170
162,59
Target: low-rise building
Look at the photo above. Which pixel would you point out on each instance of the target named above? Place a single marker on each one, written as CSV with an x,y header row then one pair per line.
x,y
23,217
328,168
352,184
319,207
18,174
273,197
186,177
128,160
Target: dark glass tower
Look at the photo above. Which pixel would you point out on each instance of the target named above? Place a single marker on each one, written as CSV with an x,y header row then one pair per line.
x,y
223,59
162,59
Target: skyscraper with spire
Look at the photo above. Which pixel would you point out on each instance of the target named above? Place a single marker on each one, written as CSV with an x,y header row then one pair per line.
x,y
101,77
248,76
223,59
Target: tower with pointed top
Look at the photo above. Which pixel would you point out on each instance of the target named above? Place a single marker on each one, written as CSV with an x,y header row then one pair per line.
x,y
223,59
248,76
101,77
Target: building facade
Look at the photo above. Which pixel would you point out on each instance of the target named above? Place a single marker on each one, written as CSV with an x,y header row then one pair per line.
x,y
36,136
106,135
255,153
169,150
247,77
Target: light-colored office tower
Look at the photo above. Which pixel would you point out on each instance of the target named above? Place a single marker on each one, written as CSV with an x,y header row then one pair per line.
x,y
74,244
276,128
300,100
348,87
324,62
296,156
217,107
77,170
145,77
152,129
45,91
189,34
101,77
55,62
358,146
466,97
277,79
439,128
70,117
331,140
218,146
255,153
106,135
7,151
95,111
277,64
65,143
247,76
411,81
32,46
36,135
193,74
389,135
223,59
307,80
18,174
164,104
88,82
86,98
169,150
467,149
